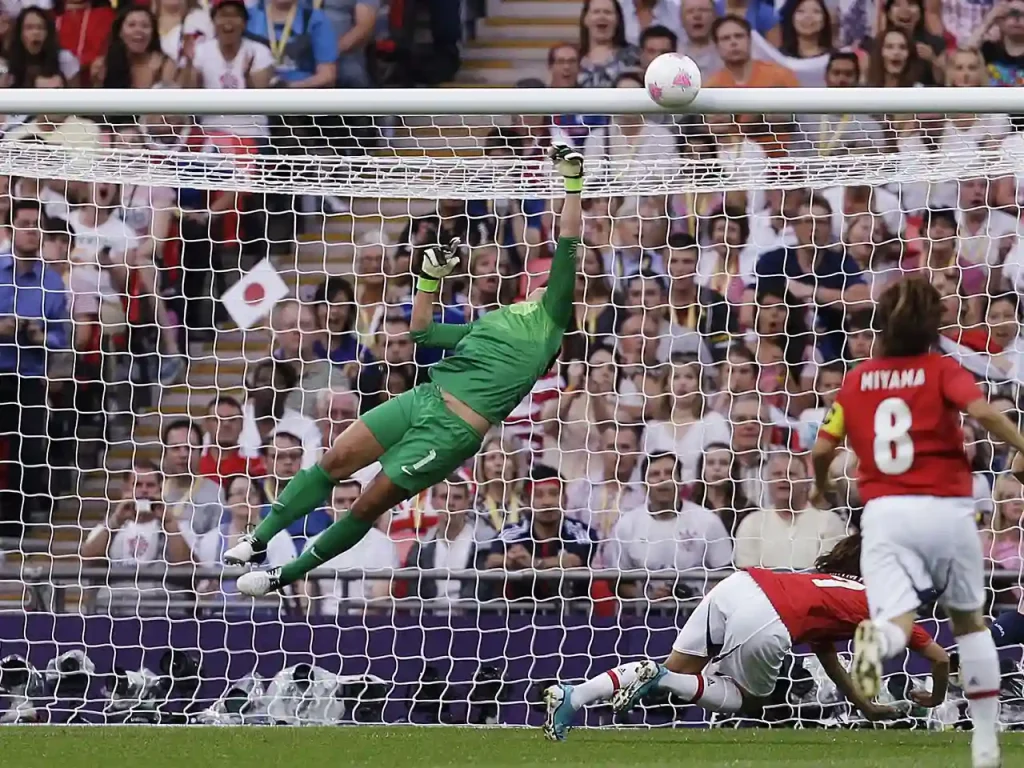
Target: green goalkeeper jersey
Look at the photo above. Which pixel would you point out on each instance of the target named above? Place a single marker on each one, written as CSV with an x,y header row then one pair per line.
x,y
498,358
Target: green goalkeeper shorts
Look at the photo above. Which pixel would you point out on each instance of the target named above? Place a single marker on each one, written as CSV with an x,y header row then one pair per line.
x,y
423,441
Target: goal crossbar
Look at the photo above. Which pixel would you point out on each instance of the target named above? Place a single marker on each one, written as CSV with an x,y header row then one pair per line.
x,y
520,101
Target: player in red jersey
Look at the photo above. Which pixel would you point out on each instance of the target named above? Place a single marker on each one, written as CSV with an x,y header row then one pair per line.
x,y
900,414
744,628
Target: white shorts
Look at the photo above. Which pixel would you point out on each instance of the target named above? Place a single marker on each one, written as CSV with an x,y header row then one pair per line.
x,y
739,629
917,548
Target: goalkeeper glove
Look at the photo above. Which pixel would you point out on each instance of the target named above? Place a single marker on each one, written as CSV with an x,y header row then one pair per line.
x,y
438,262
569,163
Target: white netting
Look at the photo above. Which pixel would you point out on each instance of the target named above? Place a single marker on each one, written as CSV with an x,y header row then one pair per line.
x,y
727,282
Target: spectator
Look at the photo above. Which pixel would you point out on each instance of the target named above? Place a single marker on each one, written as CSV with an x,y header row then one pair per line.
x,y
498,478
63,130
818,274
806,30
760,17
84,31
726,266
222,457
604,51
911,17
737,154
878,253
700,320
1002,319
639,16
336,411
685,425
374,551
35,50
546,540
140,528
33,325
460,542
265,411
1004,55
394,370
779,342
1004,545
611,486
134,58
302,41
719,486
984,236
355,22
966,69
226,58
792,533
283,459
298,340
628,137
698,42
654,42
751,438
194,500
243,500
666,533
841,134
182,25
895,63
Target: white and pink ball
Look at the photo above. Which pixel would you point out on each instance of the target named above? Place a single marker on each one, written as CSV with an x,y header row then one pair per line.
x,y
673,80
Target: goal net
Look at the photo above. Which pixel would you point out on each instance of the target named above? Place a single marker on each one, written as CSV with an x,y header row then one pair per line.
x,y
191,309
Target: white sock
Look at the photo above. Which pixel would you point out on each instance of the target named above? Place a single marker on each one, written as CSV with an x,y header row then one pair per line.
x,y
894,639
713,692
602,687
979,674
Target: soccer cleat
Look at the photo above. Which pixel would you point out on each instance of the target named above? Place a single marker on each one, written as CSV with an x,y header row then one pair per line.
x,y
629,695
559,713
259,583
866,669
246,552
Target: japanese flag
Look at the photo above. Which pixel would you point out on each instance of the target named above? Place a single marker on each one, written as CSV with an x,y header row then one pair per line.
x,y
252,297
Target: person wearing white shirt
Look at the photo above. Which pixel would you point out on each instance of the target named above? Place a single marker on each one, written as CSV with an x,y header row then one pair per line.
x,y
459,542
667,534
640,15
628,138
791,534
985,236
689,425
265,412
196,501
228,59
374,550
181,24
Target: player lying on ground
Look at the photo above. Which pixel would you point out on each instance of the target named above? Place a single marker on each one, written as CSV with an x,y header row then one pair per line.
x,y
920,537
425,434
744,628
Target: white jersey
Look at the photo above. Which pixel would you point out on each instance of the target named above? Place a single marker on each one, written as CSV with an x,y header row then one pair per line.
x,y
218,72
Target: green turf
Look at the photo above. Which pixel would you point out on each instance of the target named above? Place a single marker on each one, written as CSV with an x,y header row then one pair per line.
x,y
413,747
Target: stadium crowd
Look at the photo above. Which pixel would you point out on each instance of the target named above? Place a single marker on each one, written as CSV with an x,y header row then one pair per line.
x,y
711,330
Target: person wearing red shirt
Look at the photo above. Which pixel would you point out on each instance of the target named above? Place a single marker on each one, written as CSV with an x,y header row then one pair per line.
x,y
749,623
222,458
920,537
83,28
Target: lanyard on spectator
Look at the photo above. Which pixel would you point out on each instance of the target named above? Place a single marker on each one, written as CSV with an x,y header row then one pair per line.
x,y
497,520
277,46
82,33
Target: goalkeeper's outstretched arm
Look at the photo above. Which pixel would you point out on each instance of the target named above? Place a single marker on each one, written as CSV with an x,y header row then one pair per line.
x,y
557,300
438,263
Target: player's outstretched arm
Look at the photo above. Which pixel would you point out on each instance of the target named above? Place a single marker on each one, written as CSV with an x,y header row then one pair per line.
x,y
829,658
438,263
939,659
557,299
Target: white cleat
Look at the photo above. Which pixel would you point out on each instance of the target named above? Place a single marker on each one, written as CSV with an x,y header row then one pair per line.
x,y
245,552
259,583
866,669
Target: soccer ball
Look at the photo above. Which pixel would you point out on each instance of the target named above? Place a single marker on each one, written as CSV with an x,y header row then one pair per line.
x,y
673,80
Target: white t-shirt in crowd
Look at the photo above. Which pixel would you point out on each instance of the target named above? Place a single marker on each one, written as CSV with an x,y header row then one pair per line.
x,y
197,23
769,539
374,550
692,538
138,543
90,240
218,72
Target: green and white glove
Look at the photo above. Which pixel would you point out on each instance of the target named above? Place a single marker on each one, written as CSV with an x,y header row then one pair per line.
x,y
438,262
569,163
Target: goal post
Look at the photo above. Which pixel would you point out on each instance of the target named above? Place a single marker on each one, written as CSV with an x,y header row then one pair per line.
x,y
156,203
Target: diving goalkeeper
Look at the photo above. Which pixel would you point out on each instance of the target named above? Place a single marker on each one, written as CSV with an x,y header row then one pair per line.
x,y
426,433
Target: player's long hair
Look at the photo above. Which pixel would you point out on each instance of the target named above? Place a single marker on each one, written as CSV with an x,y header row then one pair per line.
x,y
909,316
843,559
